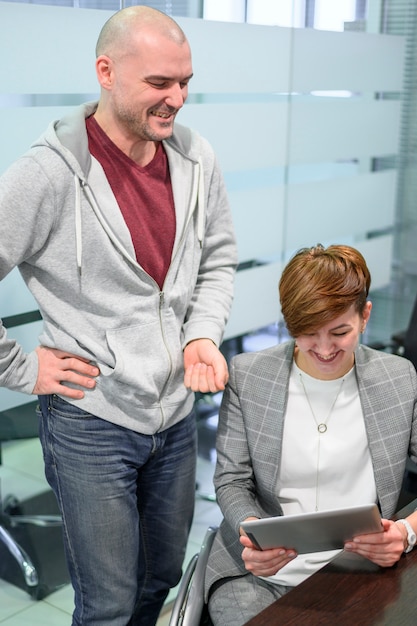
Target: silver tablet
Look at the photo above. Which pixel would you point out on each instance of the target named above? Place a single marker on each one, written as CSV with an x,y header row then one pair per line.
x,y
314,532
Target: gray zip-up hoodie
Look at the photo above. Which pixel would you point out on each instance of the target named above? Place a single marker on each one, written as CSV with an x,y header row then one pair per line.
x,y
61,225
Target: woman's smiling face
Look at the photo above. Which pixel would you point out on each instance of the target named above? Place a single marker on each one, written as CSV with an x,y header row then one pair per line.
x,y
328,353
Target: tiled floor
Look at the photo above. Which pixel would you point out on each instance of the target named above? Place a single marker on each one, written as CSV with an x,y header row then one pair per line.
x,y
22,474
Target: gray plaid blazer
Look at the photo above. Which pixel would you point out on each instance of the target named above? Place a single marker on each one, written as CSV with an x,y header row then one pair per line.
x,y
250,430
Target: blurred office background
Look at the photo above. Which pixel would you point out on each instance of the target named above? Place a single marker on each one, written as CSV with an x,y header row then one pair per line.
x,y
311,108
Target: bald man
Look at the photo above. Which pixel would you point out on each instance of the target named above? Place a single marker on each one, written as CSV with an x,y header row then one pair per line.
x,y
118,220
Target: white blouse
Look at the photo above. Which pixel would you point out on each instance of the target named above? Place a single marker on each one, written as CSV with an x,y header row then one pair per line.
x,y
326,470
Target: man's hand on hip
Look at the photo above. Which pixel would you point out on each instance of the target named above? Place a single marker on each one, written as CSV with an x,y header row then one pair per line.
x,y
57,368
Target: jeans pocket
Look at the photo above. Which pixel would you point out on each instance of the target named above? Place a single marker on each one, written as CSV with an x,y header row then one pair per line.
x,y
62,408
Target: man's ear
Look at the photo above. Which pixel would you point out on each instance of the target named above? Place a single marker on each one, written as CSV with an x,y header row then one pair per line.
x,y
104,70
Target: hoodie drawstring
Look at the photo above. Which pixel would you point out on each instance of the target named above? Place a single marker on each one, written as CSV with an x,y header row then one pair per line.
x,y
200,203
197,197
78,225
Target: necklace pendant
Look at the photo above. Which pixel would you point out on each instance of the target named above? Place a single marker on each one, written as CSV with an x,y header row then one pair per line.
x,y
322,428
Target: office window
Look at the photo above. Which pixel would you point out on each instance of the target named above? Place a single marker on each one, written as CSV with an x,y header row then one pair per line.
x,y
320,14
331,15
182,8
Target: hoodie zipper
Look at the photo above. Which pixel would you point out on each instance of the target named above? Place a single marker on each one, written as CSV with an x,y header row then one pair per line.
x,y
197,200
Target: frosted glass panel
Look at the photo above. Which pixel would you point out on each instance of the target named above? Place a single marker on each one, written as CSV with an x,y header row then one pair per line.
x,y
256,301
378,255
244,135
345,207
20,127
26,335
358,61
231,65
258,216
9,399
51,49
338,129
233,58
347,61
15,297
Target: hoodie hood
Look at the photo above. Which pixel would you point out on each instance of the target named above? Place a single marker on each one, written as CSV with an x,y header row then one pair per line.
x,y
68,137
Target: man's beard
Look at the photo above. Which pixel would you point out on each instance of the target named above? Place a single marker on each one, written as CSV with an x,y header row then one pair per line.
x,y
143,129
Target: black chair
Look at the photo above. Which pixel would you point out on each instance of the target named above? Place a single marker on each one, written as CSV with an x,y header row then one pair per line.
x,y
20,527
410,338
402,342
189,607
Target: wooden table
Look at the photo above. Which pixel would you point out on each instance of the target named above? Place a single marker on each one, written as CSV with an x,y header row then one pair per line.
x,y
351,591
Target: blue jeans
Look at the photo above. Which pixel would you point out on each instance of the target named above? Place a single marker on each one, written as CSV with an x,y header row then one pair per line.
x,y
127,502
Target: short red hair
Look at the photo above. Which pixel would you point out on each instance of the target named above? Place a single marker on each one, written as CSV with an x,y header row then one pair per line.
x,y
319,284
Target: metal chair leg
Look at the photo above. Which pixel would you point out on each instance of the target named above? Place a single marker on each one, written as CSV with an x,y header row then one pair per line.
x,y
22,558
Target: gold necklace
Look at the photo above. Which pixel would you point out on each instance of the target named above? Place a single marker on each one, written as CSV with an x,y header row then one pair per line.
x,y
321,429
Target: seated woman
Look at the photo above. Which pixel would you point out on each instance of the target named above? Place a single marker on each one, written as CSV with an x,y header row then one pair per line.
x,y
319,422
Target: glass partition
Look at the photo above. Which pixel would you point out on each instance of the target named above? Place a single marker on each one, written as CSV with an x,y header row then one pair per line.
x,y
298,118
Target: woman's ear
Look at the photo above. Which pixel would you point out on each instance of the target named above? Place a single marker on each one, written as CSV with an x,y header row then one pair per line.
x,y
366,314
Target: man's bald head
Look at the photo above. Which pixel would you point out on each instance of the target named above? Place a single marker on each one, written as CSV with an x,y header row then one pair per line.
x,y
117,33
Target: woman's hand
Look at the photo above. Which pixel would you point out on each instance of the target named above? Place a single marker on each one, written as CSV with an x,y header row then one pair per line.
x,y
384,548
264,562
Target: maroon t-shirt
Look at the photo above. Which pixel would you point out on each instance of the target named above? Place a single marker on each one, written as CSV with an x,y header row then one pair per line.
x,y
144,195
